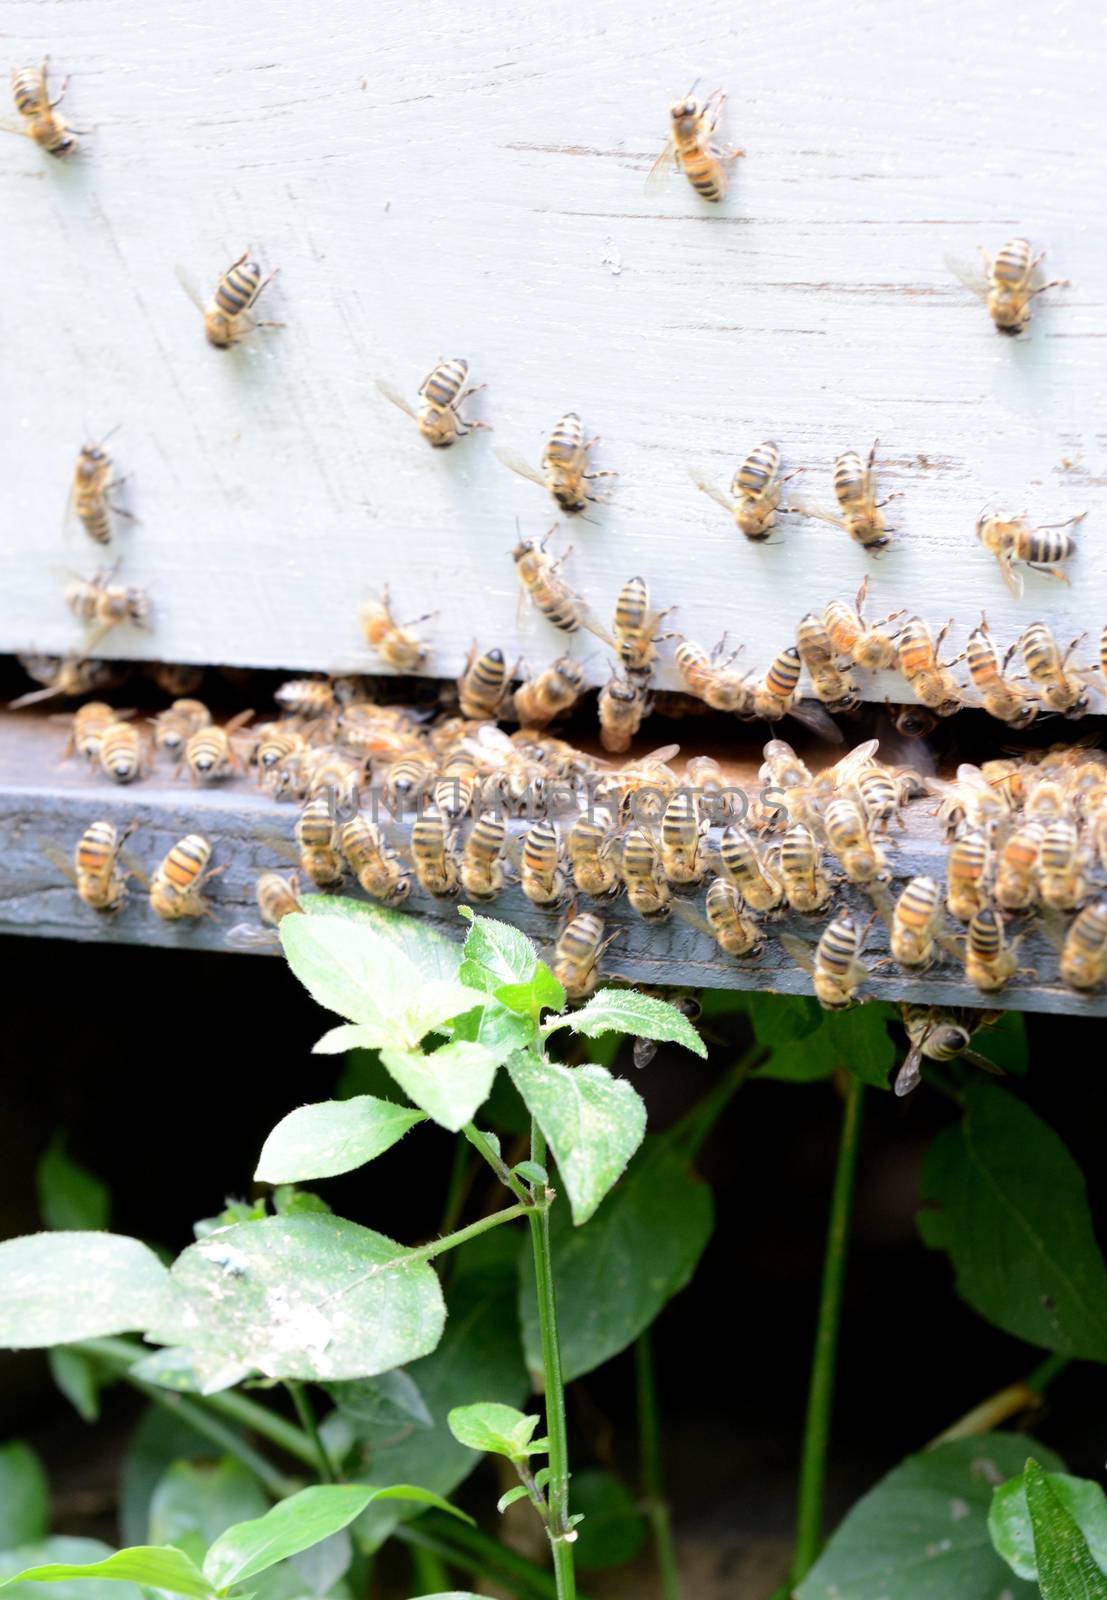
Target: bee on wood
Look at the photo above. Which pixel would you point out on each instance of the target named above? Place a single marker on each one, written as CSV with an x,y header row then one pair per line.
x,y
682,831
931,681
482,687
691,145
1008,288
577,954
432,855
317,840
1058,690
563,473
754,498
1042,549
1000,696
1084,952
121,755
622,707
915,923
847,833
990,962
553,692
442,393
710,678
966,869
936,1034
540,580
408,778
87,727
96,600
456,786
807,887
277,898
482,865
176,889
635,626
100,880
41,121
373,862
1061,882
1016,886
643,874
67,677
744,867
776,696
209,754
855,492
591,846
837,970
830,686
89,494
541,873
728,922
230,317
865,644
399,647
970,802
306,698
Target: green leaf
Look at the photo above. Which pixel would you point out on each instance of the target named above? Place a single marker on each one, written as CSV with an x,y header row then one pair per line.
x,y
1066,1568
288,1201
170,1368
233,1211
153,1566
348,968
782,1018
301,1297
332,1137
922,1532
488,1426
390,1401
614,1529
543,992
298,1523
627,1011
594,1123
495,954
519,1492
203,1498
479,1358
159,1439
62,1550
614,1274
435,955
450,1084
1009,1204
69,1197
1013,1535
78,1379
24,1496
856,1039
56,1288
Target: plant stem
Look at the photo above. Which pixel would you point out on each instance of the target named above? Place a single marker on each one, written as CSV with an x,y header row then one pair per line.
x,y
691,1131
820,1395
1044,1373
649,1449
476,1553
428,1570
1027,1394
437,1247
307,1421
484,1147
458,1185
561,1533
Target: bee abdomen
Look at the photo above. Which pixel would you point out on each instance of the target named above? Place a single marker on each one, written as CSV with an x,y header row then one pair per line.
x,y
985,935
185,862
784,674
237,290
1012,262
443,385
96,849
838,946
849,479
757,471
565,440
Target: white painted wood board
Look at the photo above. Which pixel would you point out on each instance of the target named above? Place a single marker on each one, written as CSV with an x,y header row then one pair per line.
x,y
445,179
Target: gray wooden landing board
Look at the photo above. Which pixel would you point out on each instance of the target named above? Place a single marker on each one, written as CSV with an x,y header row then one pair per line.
x,y
42,800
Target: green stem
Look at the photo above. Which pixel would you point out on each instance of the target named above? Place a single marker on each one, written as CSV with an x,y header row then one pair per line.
x,y
1044,1373
485,1148
1025,1395
820,1395
561,1533
476,1553
649,1449
306,1415
695,1126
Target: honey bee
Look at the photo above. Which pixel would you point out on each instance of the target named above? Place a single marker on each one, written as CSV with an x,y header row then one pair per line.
x,y
41,121
830,686
915,922
754,492
866,644
882,793
855,492
89,497
837,970
397,646
644,785
1016,887
121,754
277,898
966,869
176,725
936,1034
642,872
990,962
456,787
716,798
176,889
776,696
175,678
970,803
591,847
432,855
691,145
917,657
540,580
95,600
634,628
374,863
482,866
622,706
577,954
847,833
1000,695
442,393
100,881
1058,690
208,753
542,874
751,875
1006,287
688,1002
563,472
551,693
482,687
306,698
1084,952
711,679
1011,539
317,839
807,887
407,779
336,776
278,754
912,722
682,830
732,930
67,677
230,316
1060,866
87,727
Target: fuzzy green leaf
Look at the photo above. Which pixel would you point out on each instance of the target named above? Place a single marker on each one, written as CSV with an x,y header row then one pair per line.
x,y
78,1379
495,954
488,1426
332,1137
593,1122
56,1288
627,1011
424,945
450,1084
1013,1533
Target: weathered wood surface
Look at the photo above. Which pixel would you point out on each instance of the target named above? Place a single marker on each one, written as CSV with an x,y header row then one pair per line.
x,y
42,800
445,179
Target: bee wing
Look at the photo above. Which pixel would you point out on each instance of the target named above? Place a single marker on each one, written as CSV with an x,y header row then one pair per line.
x,y
657,171
804,510
55,854
799,952
975,1059
134,868
1053,925
969,274
512,459
282,846
843,771
882,900
710,489
396,398
250,936
812,715
909,1075
688,914
35,695
664,754
190,290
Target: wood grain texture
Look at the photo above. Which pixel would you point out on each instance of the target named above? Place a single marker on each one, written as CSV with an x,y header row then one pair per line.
x,y
469,180
41,800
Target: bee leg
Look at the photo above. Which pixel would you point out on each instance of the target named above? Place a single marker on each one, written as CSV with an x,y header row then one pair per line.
x,y
1052,572
60,96
606,474
1068,523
